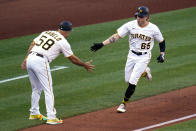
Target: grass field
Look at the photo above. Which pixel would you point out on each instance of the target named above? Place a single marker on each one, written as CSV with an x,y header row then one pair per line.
x,y
184,126
77,91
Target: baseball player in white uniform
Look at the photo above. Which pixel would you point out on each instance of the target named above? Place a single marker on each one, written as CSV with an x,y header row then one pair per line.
x,y
43,50
142,34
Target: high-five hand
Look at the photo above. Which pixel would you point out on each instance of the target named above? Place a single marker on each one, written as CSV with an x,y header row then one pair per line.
x,y
88,66
96,46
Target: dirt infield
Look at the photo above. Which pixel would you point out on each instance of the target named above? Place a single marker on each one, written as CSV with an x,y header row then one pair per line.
x,y
22,17
142,113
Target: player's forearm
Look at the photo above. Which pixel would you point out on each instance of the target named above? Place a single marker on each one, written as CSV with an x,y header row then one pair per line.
x,y
30,47
112,39
160,58
162,46
75,60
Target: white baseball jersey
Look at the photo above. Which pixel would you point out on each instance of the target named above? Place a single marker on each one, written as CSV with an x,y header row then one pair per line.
x,y
141,39
51,44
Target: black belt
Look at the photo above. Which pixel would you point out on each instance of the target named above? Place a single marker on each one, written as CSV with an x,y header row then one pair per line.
x,y
37,54
139,53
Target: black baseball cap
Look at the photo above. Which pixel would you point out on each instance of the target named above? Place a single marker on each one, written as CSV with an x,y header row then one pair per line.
x,y
142,12
65,26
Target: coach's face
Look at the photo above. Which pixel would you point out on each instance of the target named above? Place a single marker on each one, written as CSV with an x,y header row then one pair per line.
x,y
142,21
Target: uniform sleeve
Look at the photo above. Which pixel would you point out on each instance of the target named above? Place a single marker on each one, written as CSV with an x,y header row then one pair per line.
x,y
66,49
123,30
158,35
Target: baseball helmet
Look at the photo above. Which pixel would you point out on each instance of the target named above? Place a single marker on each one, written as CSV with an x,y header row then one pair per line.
x,y
142,12
65,26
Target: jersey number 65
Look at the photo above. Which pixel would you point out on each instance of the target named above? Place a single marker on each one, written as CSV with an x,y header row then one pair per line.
x,y
145,45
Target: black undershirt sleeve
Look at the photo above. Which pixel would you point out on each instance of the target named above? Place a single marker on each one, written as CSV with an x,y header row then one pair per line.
x,y
162,46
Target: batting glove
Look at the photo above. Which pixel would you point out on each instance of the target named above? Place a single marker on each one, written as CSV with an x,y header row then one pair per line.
x,y
96,46
160,58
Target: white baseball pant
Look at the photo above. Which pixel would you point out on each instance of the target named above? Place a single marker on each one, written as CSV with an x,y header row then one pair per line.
x,y
135,67
40,77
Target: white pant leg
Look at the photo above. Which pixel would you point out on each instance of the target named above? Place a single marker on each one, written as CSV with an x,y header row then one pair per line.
x,y
41,68
138,70
36,92
140,64
46,81
129,68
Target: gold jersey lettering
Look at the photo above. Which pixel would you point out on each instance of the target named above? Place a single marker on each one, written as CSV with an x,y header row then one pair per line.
x,y
141,36
55,36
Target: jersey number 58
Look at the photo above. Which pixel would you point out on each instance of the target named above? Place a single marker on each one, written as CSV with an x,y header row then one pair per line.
x,y
45,42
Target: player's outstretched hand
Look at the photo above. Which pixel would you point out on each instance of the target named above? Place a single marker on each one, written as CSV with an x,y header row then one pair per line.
x,y
88,66
160,58
96,46
23,65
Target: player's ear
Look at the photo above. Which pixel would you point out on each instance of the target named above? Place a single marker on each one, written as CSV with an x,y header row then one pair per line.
x,y
148,18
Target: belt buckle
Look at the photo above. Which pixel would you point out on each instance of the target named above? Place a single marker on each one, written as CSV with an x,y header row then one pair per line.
x,y
138,53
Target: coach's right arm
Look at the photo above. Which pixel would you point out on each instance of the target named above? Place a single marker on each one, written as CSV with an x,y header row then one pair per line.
x,y
87,65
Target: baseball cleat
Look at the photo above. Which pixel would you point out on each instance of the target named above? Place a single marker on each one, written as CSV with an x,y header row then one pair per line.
x,y
148,74
37,117
121,108
55,121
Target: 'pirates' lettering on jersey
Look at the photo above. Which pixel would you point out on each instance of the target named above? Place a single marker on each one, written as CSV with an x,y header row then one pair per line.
x,y
141,36
141,39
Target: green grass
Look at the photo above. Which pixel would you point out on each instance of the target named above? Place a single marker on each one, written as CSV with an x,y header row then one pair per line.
x,y
77,91
184,126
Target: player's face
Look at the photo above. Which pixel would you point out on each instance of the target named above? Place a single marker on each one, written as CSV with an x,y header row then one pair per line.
x,y
142,21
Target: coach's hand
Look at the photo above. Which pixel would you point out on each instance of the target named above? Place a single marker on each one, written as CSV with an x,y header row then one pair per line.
x,y
160,58
88,66
96,46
